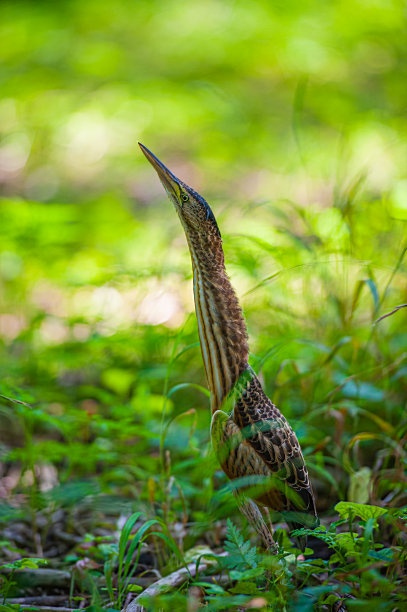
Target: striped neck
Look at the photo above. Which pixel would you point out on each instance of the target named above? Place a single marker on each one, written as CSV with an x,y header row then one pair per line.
x,y
222,331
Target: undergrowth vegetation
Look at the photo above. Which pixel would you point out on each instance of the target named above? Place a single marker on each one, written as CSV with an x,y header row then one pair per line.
x,y
109,488
96,427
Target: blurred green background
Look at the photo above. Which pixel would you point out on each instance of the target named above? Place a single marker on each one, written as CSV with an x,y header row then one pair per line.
x,y
290,118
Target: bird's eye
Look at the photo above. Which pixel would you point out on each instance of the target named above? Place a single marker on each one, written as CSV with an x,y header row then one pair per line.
x,y
185,197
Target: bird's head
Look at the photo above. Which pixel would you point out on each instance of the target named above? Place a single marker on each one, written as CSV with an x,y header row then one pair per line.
x,y
195,213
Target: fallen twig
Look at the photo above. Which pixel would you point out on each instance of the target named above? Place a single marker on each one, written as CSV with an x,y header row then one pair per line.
x,y
39,577
38,599
48,609
174,579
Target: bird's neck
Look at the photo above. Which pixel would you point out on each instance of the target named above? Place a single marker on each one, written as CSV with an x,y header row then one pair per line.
x,y
222,330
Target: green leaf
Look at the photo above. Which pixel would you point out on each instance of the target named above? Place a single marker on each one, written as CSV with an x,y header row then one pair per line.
x,y
347,541
319,532
26,562
364,511
135,540
247,588
386,554
367,539
108,570
359,486
124,538
253,572
214,589
241,554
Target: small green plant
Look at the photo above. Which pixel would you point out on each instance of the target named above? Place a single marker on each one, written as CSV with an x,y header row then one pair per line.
x,y
366,569
122,563
250,573
7,582
241,554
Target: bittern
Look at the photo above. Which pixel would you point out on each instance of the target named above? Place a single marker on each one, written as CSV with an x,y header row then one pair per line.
x,y
253,441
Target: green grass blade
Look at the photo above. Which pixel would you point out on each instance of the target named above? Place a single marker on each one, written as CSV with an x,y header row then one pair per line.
x,y
124,538
135,542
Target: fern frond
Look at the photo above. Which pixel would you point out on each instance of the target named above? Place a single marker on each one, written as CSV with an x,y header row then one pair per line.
x,y
241,554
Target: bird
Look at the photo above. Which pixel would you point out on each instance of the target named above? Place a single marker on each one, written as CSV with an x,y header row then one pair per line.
x,y
253,442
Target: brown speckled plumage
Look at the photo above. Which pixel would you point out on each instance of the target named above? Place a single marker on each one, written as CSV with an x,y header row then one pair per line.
x,y
277,454
254,443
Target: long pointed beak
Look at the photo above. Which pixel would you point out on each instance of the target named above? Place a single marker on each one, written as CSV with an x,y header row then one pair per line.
x,y
168,179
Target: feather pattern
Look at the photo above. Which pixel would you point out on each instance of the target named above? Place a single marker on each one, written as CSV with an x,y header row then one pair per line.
x,y
275,444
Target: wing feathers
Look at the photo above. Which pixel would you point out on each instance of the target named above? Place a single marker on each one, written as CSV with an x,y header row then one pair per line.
x,y
268,433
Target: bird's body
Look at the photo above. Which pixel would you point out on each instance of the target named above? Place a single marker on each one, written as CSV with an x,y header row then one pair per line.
x,y
254,443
